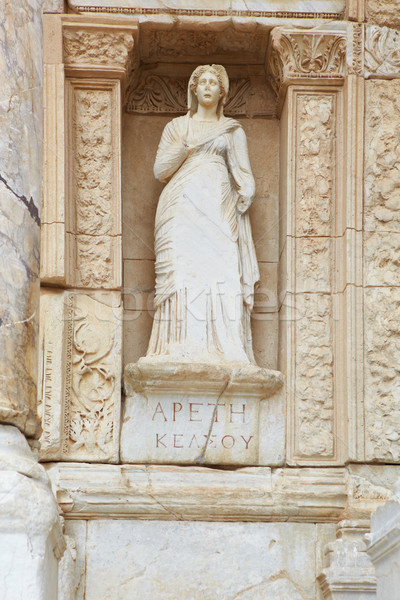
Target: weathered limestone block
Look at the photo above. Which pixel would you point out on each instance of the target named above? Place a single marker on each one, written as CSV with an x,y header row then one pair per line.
x,y
201,414
383,12
160,492
384,546
382,259
20,194
81,338
382,342
382,52
211,561
31,540
382,147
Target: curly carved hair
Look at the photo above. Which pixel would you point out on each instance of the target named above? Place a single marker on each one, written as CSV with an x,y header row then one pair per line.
x,y
199,71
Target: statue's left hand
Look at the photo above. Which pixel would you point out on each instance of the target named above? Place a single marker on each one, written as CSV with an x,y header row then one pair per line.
x,y
243,204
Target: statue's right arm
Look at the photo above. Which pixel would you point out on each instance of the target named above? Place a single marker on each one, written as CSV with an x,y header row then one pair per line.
x,y
171,153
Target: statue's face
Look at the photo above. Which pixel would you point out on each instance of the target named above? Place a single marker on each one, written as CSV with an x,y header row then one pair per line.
x,y
208,90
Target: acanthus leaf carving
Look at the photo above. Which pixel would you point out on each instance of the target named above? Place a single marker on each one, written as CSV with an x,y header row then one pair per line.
x,y
295,55
382,52
154,93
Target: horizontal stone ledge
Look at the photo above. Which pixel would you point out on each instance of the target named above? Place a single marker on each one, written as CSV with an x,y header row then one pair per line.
x,y
87,491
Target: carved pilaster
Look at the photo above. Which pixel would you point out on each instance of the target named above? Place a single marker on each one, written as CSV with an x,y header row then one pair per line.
x,y
296,57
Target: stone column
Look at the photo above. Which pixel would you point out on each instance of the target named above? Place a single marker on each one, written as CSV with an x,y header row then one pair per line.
x,y
31,541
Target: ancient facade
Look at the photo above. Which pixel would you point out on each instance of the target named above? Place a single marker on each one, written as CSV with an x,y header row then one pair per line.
x,y
199,482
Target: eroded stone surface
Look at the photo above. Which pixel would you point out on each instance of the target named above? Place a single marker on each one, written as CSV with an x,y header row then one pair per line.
x,y
382,343
246,561
382,148
20,198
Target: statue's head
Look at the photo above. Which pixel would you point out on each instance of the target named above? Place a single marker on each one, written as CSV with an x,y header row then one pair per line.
x,y
222,77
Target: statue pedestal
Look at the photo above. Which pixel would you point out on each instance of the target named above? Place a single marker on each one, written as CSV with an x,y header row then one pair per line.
x,y
200,414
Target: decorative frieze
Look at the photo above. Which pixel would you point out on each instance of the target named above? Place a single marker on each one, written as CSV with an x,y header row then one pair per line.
x,y
81,358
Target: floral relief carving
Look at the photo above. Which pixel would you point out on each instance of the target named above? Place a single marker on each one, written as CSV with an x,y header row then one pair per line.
x,y
382,338
382,151
382,52
97,47
314,413
91,382
92,158
315,155
295,54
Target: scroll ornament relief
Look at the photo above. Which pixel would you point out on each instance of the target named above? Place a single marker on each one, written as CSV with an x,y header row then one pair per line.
x,y
163,94
295,55
382,175
382,52
91,383
93,185
82,46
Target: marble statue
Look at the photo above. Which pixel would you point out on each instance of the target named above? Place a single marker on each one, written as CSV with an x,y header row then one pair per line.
x,y
206,266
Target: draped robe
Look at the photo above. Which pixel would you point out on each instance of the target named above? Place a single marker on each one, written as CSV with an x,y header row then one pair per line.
x,y
206,267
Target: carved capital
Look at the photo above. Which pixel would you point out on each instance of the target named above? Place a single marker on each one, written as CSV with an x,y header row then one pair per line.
x,y
98,48
382,52
295,56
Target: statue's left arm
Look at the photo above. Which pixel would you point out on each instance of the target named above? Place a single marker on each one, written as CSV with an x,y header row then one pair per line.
x,y
239,166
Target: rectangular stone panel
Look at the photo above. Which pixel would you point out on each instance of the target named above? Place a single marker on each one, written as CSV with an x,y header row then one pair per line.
x,y
382,148
80,399
94,189
170,560
382,404
201,414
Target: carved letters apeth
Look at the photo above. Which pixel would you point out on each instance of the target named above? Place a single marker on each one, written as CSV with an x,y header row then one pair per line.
x,y
91,401
382,52
162,94
295,55
83,46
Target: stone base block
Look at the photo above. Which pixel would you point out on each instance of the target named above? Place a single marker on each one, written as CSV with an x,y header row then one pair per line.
x,y
198,414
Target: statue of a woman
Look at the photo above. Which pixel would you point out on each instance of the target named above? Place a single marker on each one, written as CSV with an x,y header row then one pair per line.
x,y
206,266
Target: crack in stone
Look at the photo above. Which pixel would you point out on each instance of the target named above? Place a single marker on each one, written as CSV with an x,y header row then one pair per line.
x,y
201,458
168,510
30,205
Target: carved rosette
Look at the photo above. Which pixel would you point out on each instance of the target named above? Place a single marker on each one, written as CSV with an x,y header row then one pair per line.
x,y
295,56
382,52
